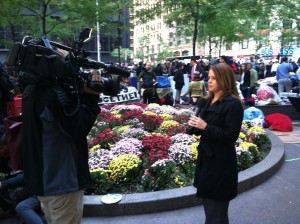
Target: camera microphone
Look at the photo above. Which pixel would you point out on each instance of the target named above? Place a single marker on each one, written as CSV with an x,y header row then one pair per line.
x,y
201,103
116,70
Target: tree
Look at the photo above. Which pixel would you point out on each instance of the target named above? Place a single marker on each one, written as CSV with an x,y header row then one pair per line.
x,y
143,52
62,19
11,18
165,53
124,54
117,10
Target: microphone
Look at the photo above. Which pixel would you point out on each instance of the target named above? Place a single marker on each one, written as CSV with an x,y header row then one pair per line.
x,y
201,103
119,71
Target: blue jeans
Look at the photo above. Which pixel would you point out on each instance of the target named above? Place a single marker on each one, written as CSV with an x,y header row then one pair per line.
x,y
29,210
284,84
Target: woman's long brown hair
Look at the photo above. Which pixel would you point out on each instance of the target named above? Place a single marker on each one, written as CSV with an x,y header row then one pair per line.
x,y
225,79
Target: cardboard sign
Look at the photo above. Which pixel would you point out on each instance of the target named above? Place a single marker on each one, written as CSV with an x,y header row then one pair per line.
x,y
129,94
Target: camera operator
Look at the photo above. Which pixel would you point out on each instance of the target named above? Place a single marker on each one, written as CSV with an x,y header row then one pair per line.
x,y
55,149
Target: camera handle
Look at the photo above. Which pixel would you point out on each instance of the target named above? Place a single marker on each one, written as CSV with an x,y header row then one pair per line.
x,y
66,102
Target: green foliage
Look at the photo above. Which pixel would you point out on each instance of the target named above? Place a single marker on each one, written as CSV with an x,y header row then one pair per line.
x,y
125,53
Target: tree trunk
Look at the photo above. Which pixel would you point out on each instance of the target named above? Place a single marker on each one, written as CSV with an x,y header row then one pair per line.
x,y
44,13
210,47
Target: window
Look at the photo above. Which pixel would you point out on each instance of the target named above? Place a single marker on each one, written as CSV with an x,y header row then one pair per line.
x,y
185,53
228,47
176,54
245,44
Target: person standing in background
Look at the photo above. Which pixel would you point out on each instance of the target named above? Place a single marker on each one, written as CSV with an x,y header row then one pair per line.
x,y
283,76
274,67
195,69
179,81
245,80
219,124
253,79
147,78
261,70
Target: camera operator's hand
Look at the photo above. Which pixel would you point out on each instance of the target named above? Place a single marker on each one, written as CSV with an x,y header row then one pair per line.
x,y
88,90
96,76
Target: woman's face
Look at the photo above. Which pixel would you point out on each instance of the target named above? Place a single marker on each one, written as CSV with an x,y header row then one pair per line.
x,y
212,82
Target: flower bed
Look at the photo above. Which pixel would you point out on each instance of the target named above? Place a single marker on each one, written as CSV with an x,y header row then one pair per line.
x,y
141,148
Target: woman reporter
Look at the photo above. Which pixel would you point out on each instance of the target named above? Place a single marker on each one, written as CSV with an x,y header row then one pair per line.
x,y
219,124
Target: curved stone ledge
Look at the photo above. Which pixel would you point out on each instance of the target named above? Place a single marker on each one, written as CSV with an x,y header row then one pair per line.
x,y
166,200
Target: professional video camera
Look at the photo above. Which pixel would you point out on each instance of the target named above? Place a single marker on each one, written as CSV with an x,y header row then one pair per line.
x,y
43,62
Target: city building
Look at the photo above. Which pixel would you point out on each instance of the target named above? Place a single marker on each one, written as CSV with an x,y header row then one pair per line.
x,y
154,36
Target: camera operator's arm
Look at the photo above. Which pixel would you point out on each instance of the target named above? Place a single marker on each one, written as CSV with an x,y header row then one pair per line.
x,y
89,99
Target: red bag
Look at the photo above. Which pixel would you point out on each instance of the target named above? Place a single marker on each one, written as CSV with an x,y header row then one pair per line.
x,y
13,134
279,122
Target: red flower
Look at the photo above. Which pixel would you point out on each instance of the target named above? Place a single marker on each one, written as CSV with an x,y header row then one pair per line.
x,y
151,122
132,114
156,147
182,119
105,138
113,121
174,130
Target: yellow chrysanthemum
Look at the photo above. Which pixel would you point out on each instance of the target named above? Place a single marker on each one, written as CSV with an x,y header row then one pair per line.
x,y
244,123
121,129
197,137
256,130
99,170
194,148
179,182
153,105
246,145
167,124
115,112
124,167
94,148
149,113
242,136
166,117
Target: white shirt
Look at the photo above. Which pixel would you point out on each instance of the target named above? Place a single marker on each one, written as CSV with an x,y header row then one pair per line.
x,y
274,67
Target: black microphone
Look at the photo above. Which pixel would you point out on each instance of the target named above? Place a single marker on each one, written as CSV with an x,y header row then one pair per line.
x,y
201,103
118,71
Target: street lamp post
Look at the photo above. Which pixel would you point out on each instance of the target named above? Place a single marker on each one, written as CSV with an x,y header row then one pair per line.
x,y
98,35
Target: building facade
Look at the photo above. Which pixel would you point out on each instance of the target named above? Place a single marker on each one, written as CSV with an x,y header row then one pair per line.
x,y
154,36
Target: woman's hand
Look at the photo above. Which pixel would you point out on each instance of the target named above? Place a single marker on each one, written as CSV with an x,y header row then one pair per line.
x,y
197,122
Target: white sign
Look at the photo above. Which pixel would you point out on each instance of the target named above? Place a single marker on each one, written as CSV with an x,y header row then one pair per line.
x,y
129,94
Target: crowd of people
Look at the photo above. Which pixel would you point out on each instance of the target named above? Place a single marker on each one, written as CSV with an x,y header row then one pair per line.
x,y
247,73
